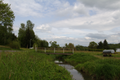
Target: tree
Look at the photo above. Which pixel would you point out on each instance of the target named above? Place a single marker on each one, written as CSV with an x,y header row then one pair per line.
x,y
71,46
44,43
54,44
100,45
66,45
21,35
79,47
38,41
26,34
6,22
114,46
30,35
105,44
92,45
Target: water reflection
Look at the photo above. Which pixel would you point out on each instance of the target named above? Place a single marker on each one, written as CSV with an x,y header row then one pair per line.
x,y
76,75
74,72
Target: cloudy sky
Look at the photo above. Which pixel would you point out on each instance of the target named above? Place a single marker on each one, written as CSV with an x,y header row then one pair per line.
x,y
70,21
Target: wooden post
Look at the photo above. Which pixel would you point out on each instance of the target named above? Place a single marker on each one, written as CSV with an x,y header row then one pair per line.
x,y
35,48
45,50
73,51
63,50
54,50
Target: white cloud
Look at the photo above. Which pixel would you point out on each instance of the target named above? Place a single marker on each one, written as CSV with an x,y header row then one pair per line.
x,y
77,9
64,39
44,8
87,38
25,7
99,22
44,28
79,23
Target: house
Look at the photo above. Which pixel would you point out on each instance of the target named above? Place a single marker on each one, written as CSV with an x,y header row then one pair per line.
x,y
118,50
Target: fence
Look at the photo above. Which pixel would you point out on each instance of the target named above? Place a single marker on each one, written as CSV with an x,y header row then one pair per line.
x,y
55,50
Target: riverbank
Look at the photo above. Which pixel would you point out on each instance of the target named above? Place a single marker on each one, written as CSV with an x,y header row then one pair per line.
x,y
106,68
76,75
30,65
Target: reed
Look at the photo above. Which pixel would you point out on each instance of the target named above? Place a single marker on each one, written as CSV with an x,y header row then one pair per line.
x,y
30,65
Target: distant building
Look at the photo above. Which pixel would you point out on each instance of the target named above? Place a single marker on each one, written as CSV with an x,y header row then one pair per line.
x,y
118,50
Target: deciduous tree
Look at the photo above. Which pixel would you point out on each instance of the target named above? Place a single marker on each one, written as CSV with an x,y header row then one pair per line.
x,y
26,34
92,45
54,44
6,22
71,46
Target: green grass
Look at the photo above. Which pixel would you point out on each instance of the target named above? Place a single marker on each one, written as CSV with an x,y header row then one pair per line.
x,y
105,69
30,65
100,68
77,58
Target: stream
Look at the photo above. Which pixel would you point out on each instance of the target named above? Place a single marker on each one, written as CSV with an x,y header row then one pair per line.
x,y
76,75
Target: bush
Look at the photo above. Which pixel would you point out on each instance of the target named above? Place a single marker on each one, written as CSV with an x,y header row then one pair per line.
x,y
106,69
15,45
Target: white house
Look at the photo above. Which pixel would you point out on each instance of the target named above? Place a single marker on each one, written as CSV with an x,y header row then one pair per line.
x,y
118,50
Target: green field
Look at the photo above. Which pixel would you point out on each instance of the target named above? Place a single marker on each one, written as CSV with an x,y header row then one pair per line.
x,y
94,64
30,65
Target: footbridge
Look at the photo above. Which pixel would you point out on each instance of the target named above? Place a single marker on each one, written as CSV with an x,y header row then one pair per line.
x,y
56,51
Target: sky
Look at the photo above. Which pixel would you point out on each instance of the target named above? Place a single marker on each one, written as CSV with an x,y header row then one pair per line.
x,y
70,21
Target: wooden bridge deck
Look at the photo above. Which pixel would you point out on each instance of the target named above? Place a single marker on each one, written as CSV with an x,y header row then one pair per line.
x,y
60,53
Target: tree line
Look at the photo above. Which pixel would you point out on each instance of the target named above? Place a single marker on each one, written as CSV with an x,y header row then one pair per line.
x,y
100,45
26,35
27,38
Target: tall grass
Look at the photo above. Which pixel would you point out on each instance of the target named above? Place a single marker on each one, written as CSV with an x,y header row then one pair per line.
x,y
105,69
79,58
30,66
99,69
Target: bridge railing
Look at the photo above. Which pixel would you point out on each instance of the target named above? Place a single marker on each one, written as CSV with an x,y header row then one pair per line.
x,y
55,50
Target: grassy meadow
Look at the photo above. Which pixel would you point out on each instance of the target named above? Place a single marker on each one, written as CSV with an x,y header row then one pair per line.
x,y
27,64
94,64
30,65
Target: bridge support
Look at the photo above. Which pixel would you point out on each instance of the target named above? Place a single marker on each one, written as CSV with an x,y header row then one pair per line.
x,y
73,51
54,50
45,50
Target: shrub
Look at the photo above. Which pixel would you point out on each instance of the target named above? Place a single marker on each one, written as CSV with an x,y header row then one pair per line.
x,y
14,45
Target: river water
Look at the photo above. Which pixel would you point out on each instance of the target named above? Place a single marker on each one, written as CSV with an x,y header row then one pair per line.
x,y
76,75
